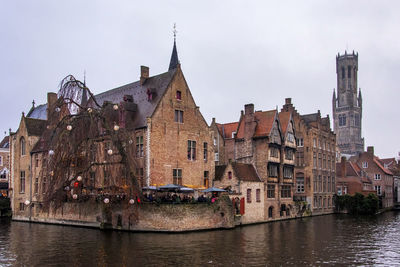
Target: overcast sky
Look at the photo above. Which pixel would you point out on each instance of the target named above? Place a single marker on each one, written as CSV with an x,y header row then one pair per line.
x,y
231,52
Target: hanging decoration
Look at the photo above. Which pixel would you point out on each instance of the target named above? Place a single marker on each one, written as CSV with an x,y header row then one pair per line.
x,y
81,152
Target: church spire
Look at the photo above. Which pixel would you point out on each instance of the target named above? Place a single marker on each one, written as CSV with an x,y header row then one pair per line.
x,y
174,57
84,99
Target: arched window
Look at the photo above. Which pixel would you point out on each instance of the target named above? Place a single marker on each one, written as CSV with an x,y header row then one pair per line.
x,y
270,212
23,146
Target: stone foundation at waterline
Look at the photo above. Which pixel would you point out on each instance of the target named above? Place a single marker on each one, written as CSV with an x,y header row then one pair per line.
x,y
142,217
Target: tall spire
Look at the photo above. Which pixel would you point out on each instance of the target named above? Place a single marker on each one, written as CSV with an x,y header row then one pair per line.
x,y
174,57
84,93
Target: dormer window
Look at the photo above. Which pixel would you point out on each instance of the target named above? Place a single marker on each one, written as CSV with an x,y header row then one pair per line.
x,y
365,164
151,93
178,95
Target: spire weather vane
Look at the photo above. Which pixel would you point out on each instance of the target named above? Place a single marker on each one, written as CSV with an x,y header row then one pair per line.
x,y
175,31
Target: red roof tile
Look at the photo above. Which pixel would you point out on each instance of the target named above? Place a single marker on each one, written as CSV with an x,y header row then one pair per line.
x,y
265,121
226,129
380,165
284,118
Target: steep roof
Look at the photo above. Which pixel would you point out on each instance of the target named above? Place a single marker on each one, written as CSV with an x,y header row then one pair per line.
x,y
310,117
226,129
380,165
5,143
34,126
39,112
156,84
351,169
265,121
284,117
390,162
173,64
244,172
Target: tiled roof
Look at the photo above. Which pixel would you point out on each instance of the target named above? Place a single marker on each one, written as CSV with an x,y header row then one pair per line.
x,y
388,162
226,129
5,143
34,126
380,165
310,117
351,169
145,108
265,121
245,172
284,117
39,112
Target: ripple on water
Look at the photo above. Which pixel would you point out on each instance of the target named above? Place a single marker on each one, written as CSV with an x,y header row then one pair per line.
x,y
322,240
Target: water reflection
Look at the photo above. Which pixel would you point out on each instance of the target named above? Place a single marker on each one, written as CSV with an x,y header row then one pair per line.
x,y
333,240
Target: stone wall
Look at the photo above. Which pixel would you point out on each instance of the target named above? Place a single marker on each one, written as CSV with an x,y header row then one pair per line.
x,y
142,217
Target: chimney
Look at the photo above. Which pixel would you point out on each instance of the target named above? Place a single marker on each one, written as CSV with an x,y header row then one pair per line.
x,y
51,101
213,121
343,167
288,101
248,109
144,74
370,150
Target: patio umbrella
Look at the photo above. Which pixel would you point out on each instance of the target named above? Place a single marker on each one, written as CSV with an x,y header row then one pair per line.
x,y
213,189
186,189
168,187
149,188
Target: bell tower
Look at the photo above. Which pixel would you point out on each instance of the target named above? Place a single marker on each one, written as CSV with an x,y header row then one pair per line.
x,y
347,105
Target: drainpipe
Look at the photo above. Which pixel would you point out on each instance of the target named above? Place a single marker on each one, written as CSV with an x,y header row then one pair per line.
x,y
11,176
30,189
148,151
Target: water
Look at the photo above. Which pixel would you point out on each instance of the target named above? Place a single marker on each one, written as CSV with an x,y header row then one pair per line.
x,y
323,240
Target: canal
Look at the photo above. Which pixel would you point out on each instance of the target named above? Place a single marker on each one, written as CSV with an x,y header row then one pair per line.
x,y
332,240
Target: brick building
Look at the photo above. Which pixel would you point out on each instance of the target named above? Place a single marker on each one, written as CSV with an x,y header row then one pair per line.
x,y
350,179
172,141
22,142
315,159
381,177
4,166
393,165
246,190
224,141
265,140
